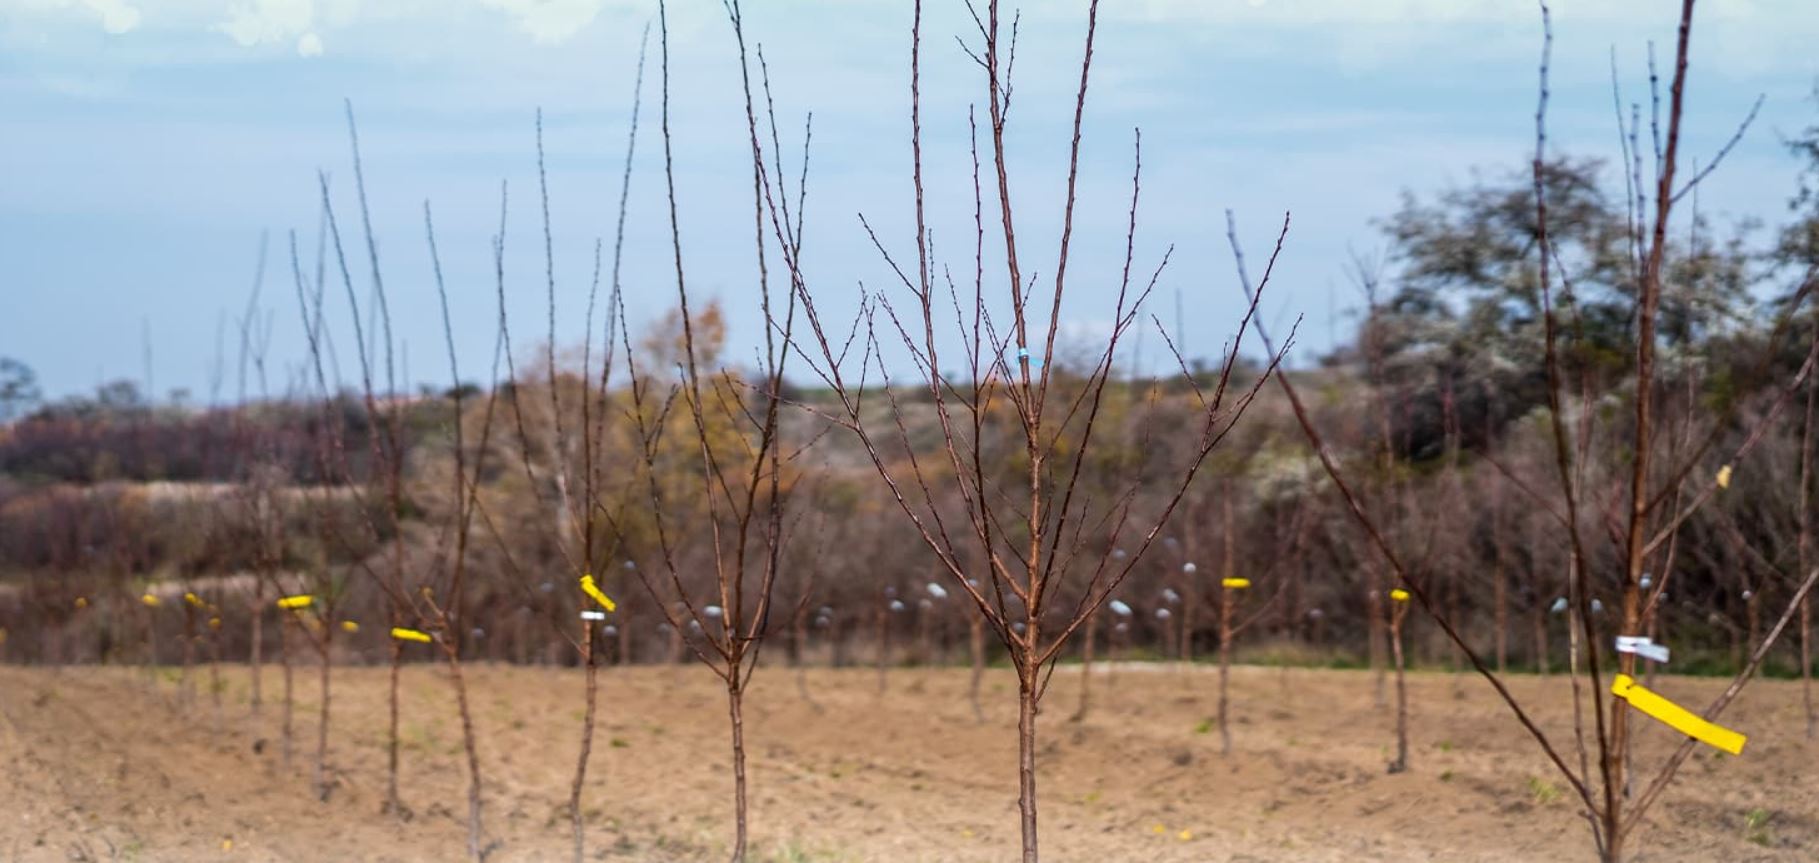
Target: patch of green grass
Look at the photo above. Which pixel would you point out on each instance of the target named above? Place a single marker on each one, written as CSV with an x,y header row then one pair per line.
x,y
618,743
1755,827
1446,746
418,737
1541,791
1446,776
796,852
1205,727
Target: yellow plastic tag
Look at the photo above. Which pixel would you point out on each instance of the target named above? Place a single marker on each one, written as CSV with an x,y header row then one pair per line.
x,y
81,602
403,634
1399,595
591,589
214,623
295,602
1235,583
150,601
1679,718
349,626
1724,477
192,599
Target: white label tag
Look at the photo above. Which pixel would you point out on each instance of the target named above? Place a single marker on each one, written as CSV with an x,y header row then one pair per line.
x,y
1642,646
593,615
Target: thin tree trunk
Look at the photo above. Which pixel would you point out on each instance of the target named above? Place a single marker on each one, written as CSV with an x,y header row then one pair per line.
x,y
214,670
1373,607
186,688
1806,663
1654,634
257,657
735,698
322,726
1227,572
1500,598
1225,671
587,739
884,648
151,650
284,659
1401,762
475,829
1026,757
393,804
1086,668
802,690
1190,602
976,642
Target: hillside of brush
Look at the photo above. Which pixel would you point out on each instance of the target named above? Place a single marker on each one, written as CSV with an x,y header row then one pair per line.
x,y
103,501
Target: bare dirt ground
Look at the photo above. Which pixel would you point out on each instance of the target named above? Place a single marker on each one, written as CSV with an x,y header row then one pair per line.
x,y
96,765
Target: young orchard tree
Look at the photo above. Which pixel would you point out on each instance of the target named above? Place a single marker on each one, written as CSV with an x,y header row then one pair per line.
x,y
1232,590
1659,498
725,453
310,605
1028,546
426,603
590,522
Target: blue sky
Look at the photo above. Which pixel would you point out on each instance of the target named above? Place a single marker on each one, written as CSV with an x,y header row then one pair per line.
x,y
148,143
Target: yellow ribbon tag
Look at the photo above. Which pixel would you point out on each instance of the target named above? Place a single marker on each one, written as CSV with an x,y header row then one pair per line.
x,y
1679,718
1399,595
403,634
1235,583
349,626
295,602
150,601
192,599
1724,477
591,589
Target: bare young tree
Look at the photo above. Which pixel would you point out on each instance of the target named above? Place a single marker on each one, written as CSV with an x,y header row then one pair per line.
x,y
1652,496
732,445
1044,547
587,529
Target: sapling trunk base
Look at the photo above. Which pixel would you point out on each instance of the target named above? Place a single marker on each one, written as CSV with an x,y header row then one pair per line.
x,y
393,805
575,815
976,645
476,851
1398,613
1026,758
1086,670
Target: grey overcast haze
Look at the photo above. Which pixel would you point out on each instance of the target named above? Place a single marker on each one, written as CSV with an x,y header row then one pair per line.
x,y
148,144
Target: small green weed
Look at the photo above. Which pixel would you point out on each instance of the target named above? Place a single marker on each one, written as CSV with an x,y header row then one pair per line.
x,y
1542,792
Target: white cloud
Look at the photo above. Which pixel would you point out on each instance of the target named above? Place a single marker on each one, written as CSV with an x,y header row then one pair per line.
x,y
549,20
117,16
309,45
268,21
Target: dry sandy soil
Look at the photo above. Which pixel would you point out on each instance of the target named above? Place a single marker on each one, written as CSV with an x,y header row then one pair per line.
x,y
96,765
